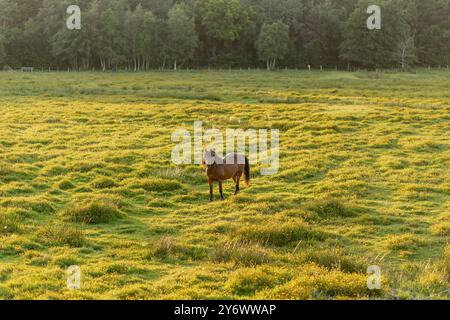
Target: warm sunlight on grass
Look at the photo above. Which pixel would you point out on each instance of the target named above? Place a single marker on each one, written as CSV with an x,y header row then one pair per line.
x,y
86,178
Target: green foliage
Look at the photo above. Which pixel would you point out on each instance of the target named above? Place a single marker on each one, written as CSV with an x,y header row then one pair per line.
x,y
182,38
323,34
151,34
2,49
392,46
433,40
223,20
272,44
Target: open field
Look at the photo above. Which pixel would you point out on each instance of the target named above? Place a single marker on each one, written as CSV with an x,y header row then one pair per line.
x,y
86,179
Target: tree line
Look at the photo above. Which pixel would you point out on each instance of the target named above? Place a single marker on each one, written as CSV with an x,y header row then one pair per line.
x,y
158,34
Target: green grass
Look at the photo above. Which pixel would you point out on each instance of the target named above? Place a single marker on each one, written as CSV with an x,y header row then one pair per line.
x,y
86,179
94,211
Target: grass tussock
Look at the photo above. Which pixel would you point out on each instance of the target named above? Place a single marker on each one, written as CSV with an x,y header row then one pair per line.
x,y
278,234
9,224
333,259
248,281
61,235
66,185
167,248
241,254
441,229
159,185
331,208
36,204
424,280
319,283
446,261
406,243
104,183
94,211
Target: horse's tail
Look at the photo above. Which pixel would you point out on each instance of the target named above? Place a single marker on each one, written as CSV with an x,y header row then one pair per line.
x,y
247,172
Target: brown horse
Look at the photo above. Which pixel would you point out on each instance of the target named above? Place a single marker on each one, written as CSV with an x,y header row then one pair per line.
x,y
219,169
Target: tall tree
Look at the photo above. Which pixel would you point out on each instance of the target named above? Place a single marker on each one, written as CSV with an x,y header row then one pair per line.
x,y
433,32
374,48
2,50
150,39
182,38
138,34
223,22
273,43
112,42
322,34
134,21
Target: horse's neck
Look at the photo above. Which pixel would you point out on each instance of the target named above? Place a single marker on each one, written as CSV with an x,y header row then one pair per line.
x,y
219,160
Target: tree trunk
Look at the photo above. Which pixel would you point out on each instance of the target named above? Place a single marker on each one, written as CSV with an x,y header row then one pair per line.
x,y
214,51
175,65
103,64
403,58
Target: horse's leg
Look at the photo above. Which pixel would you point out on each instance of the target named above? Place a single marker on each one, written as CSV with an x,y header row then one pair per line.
x,y
220,190
236,180
211,190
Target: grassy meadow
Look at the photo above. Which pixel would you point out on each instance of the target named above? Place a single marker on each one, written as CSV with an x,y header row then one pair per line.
x,y
86,179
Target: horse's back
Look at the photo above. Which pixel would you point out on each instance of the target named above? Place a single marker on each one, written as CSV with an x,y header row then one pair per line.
x,y
235,159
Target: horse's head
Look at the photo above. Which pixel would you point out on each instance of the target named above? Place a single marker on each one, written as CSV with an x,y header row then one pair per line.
x,y
209,158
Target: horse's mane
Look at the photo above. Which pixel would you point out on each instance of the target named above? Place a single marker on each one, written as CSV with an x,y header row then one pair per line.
x,y
212,155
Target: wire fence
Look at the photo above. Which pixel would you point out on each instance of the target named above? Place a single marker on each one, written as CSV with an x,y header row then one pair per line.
x,y
217,69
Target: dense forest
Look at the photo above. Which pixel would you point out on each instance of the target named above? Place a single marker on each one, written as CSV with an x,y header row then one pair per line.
x,y
157,34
